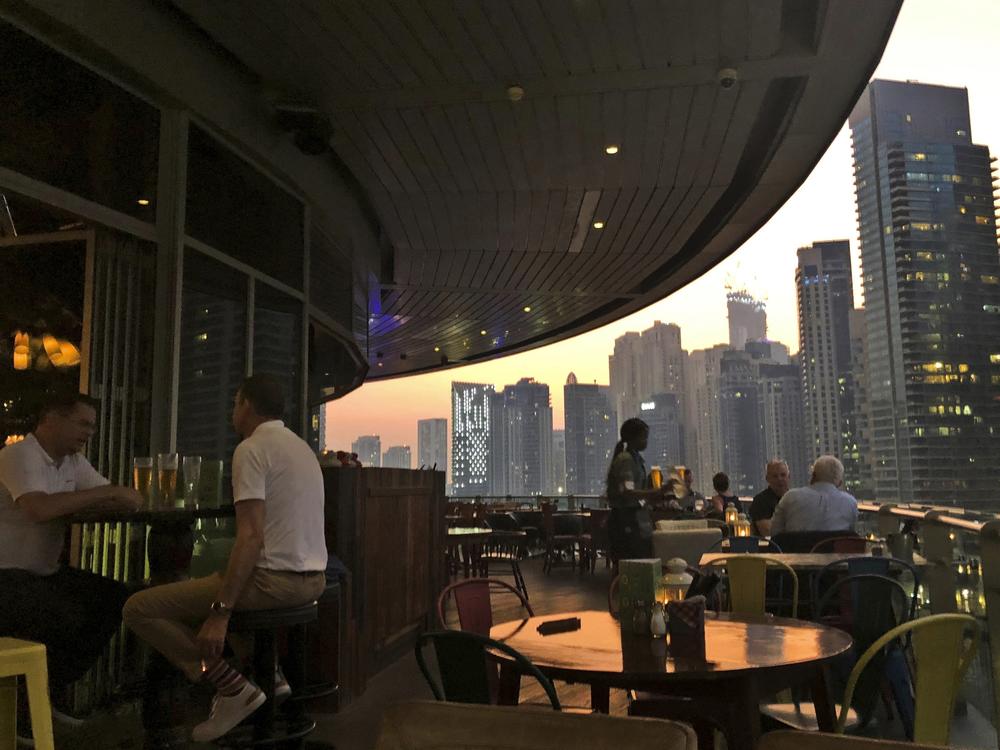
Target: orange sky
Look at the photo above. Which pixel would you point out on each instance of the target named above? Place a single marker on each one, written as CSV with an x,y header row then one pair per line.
x,y
949,43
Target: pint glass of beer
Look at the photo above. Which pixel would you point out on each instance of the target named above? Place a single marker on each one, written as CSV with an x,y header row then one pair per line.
x,y
168,479
142,478
656,477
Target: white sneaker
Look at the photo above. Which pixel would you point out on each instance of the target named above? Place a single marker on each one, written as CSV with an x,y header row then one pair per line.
x,y
228,711
282,690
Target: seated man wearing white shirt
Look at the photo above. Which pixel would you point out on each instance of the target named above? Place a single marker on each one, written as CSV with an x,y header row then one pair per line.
x,y
822,506
43,479
277,561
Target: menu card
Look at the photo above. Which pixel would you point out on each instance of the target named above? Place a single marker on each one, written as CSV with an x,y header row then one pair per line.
x,y
636,583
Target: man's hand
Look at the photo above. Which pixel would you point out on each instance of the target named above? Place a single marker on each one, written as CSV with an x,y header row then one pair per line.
x,y
127,498
212,637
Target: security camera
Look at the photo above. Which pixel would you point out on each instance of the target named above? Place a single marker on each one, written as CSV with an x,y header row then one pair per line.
x,y
727,77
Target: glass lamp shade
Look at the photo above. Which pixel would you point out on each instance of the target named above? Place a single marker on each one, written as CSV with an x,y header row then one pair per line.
x,y
675,582
732,515
742,526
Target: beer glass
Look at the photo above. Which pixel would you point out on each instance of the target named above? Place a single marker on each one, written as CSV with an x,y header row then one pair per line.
x,y
142,477
168,479
656,477
192,478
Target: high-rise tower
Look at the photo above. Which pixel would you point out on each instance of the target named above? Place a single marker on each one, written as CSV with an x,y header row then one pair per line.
x,y
747,318
470,438
590,436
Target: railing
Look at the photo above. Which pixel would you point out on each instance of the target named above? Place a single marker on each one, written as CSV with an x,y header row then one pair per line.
x,y
563,502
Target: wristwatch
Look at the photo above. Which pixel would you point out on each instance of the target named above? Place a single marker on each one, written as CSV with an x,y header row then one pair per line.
x,y
221,608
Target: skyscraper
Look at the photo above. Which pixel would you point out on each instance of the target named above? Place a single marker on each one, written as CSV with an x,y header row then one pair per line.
x,y
825,295
747,318
783,419
521,440
702,407
397,457
625,367
741,422
470,438
858,453
591,435
432,443
558,483
369,450
662,412
931,275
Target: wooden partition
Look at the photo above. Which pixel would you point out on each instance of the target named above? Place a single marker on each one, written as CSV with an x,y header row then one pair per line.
x,y
387,525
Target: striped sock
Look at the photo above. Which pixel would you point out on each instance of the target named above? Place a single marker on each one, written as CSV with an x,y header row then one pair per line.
x,y
225,679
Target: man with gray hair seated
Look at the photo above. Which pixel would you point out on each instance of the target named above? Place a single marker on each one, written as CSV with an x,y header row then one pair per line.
x,y
822,506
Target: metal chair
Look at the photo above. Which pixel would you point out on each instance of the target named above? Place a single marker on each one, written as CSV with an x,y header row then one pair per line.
x,y
845,545
464,667
474,603
866,565
748,582
745,544
562,533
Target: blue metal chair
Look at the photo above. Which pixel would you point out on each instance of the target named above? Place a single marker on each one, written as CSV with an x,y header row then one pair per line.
x,y
889,567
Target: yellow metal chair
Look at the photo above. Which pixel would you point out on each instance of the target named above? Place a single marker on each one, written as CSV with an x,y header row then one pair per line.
x,y
941,653
19,657
748,582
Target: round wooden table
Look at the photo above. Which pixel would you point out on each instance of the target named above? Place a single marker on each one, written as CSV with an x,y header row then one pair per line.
x,y
745,658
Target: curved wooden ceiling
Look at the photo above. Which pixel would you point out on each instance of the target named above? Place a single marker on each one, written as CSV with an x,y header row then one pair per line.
x,y
488,206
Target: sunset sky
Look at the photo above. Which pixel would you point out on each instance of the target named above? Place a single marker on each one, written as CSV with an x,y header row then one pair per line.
x,y
949,43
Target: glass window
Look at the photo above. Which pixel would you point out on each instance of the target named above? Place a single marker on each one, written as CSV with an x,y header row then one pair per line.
x,y
241,212
67,126
277,345
41,328
213,356
333,370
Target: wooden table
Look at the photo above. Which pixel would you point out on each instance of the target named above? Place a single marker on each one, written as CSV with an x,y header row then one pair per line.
x,y
746,658
469,541
807,561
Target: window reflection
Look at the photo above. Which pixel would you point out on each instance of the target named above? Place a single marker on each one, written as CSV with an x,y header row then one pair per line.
x,y
277,345
213,356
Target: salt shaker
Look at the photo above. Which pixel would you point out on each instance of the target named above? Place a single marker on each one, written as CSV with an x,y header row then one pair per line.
x,y
657,622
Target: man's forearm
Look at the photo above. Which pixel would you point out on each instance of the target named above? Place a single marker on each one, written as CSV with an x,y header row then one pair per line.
x,y
44,507
242,560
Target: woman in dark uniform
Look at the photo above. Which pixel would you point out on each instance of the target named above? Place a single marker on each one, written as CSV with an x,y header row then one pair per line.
x,y
630,527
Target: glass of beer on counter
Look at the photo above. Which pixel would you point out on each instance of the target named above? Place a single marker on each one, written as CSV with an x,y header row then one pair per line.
x,y
142,477
168,479
192,479
656,477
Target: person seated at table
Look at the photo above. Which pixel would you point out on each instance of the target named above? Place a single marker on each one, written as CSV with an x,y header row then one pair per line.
x,y
630,526
822,506
277,561
721,499
764,503
43,479
689,500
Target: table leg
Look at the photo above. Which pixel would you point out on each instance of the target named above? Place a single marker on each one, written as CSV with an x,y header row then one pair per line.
x,y
600,698
826,718
742,715
510,685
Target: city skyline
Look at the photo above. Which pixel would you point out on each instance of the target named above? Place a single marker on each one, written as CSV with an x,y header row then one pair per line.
x,y
822,209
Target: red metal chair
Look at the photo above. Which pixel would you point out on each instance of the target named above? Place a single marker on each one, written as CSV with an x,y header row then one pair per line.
x,y
474,603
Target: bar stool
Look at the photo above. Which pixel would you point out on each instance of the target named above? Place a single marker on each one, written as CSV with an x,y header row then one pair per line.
x,y
26,658
267,730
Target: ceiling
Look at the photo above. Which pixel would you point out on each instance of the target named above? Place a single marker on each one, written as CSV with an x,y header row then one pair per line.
x,y
490,207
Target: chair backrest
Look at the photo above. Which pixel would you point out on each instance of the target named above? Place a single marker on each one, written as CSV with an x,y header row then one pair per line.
x,y
682,525
433,726
843,545
748,582
474,603
613,607
744,544
804,541
548,519
466,671
942,654
688,545
867,565
502,522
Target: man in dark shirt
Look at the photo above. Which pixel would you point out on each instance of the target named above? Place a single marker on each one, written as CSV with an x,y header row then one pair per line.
x,y
765,502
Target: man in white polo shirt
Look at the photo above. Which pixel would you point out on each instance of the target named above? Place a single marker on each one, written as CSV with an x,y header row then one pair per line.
x,y
44,478
278,559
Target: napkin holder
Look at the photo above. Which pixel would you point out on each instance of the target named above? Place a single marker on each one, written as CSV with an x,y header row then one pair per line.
x,y
686,627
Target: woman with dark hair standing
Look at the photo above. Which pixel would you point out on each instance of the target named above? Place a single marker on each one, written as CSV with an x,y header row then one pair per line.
x,y
630,527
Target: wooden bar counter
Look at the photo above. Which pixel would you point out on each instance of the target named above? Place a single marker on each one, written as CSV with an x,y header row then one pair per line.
x,y
388,528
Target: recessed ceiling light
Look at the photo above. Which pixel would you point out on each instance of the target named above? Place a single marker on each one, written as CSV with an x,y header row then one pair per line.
x,y
482,333
611,150
379,364
598,225
527,308
437,348
143,201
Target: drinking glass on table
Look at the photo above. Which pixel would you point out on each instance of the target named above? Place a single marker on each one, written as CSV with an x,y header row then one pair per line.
x,y
142,477
192,479
168,478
